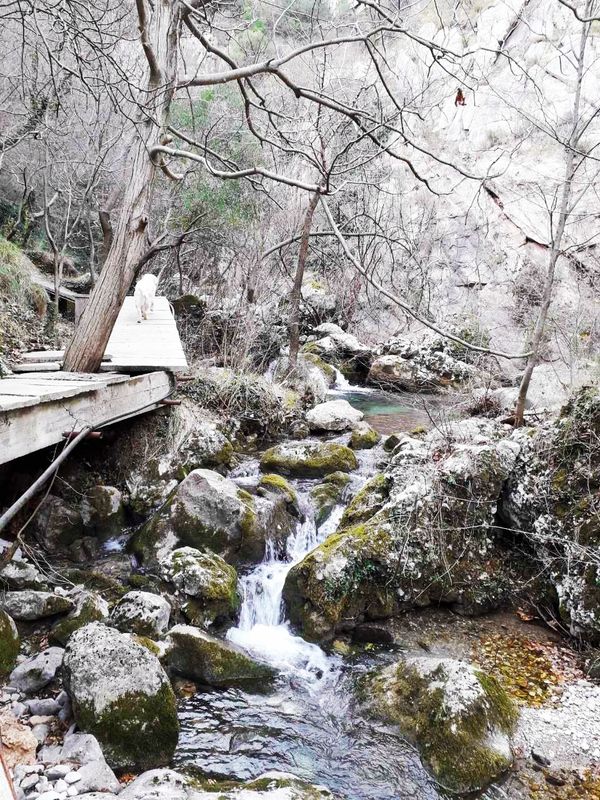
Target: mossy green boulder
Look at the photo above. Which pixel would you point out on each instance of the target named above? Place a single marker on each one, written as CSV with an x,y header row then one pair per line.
x,y
207,512
196,654
206,584
367,501
364,437
327,495
121,694
9,643
460,718
272,484
89,607
308,459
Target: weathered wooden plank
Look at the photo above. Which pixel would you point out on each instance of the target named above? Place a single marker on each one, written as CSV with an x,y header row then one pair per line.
x,y
32,428
42,366
8,401
73,377
46,391
150,345
38,356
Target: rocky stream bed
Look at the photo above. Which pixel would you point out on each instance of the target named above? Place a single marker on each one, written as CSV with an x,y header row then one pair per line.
x,y
351,615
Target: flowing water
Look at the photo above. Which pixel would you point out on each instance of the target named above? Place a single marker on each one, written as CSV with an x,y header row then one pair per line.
x,y
307,723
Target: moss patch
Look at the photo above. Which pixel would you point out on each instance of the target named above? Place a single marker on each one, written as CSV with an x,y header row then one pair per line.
x,y
309,460
9,644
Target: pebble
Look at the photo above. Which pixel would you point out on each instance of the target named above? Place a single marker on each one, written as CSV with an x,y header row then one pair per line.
x,y
51,795
39,720
18,709
58,771
46,706
72,777
61,786
73,791
28,782
41,732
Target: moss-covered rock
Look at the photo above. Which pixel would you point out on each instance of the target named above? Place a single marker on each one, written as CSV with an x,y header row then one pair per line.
x,y
327,495
308,459
460,718
9,643
143,613
326,369
552,499
272,484
121,694
89,607
197,655
364,437
421,533
208,511
30,605
206,584
102,511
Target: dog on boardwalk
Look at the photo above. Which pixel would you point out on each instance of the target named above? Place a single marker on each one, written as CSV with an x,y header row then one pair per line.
x,y
145,292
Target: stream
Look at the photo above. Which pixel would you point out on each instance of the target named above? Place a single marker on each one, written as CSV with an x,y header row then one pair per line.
x,y
307,723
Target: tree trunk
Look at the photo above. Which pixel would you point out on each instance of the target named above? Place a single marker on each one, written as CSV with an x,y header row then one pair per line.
x,y
159,28
296,293
556,236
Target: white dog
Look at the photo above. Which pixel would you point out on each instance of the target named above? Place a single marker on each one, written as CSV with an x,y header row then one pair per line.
x,y
145,291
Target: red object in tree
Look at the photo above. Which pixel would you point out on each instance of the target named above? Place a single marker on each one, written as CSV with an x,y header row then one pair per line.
x,y
460,100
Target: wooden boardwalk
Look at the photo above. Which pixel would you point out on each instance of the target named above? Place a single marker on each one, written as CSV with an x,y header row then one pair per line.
x,y
38,407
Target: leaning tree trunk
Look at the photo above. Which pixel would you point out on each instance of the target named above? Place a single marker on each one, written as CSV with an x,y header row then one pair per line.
x,y
159,33
296,293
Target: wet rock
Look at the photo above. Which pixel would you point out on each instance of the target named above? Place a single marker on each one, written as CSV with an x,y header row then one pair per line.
x,y
364,437
308,459
327,495
334,415
392,548
203,658
143,613
396,372
274,485
29,604
327,371
207,511
57,525
37,671
102,511
459,717
89,607
19,745
9,643
121,694
206,581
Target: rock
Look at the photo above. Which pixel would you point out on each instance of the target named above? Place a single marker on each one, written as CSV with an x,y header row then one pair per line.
x,y
327,495
203,658
57,525
364,437
29,604
459,717
80,761
96,776
327,371
272,484
102,511
77,748
19,745
89,607
37,671
396,372
40,732
43,707
207,582
335,415
210,512
392,548
158,784
121,694
143,613
21,574
308,459
9,643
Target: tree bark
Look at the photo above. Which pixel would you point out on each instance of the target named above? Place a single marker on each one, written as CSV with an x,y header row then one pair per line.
x,y
296,293
159,30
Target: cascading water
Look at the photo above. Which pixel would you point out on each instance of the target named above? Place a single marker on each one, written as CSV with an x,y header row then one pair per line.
x,y
262,629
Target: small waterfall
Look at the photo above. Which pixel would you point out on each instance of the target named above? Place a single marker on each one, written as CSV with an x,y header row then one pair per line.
x,y
262,629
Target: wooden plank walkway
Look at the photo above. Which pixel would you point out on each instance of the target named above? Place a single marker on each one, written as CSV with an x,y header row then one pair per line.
x,y
36,409
149,345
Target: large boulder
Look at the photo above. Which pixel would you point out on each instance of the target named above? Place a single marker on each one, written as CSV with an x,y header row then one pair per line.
x,y
102,511
421,533
308,459
57,525
89,607
208,511
334,415
552,501
37,671
143,613
9,643
459,717
206,583
364,437
31,605
328,494
121,694
396,372
197,655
